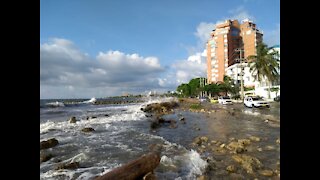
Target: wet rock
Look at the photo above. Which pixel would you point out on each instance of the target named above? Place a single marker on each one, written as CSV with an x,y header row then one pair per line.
x,y
154,125
278,141
231,168
236,147
198,129
266,173
202,110
182,119
87,129
218,143
107,115
203,146
247,162
45,157
269,148
204,139
213,142
73,165
72,120
244,141
222,145
254,138
49,143
93,117
259,149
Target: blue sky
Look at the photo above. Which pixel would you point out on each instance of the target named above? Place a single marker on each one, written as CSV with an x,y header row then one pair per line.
x,y
170,32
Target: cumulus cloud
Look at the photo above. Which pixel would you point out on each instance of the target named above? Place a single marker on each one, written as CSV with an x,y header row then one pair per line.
x,y
185,70
65,72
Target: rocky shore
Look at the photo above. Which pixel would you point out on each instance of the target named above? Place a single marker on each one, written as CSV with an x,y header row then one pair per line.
x,y
236,156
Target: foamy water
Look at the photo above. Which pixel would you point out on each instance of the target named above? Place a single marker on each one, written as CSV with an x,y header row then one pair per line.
x,y
123,135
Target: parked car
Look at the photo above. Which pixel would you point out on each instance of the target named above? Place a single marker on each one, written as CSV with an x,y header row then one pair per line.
x,y
255,101
277,98
214,100
224,100
203,99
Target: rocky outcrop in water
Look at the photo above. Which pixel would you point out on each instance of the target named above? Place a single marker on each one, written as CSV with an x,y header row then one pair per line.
x,y
249,163
73,165
87,129
45,156
49,143
73,119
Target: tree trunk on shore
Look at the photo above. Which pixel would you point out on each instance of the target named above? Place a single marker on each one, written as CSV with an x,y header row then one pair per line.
x,y
135,169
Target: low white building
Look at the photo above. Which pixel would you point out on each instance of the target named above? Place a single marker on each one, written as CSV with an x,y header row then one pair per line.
x,y
261,88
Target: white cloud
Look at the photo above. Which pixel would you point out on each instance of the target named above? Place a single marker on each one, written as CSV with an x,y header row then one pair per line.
x,y
203,31
240,13
67,72
185,70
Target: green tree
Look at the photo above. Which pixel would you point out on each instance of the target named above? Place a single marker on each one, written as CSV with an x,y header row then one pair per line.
x,y
213,89
184,89
265,65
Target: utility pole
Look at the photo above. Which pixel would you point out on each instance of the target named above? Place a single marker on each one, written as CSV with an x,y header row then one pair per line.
x,y
241,73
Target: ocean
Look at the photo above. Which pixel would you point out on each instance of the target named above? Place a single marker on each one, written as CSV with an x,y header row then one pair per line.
x,y
122,133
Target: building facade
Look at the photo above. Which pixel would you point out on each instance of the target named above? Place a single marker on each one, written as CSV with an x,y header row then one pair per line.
x,y
225,40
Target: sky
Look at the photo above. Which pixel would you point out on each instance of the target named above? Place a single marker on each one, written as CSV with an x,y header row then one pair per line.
x,y
101,48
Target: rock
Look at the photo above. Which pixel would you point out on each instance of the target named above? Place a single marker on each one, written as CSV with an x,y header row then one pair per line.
x,y
278,141
254,138
218,143
231,139
73,165
87,129
203,146
231,168
45,157
269,148
222,145
204,139
182,119
93,117
154,125
266,120
259,149
244,141
213,142
247,162
49,143
72,119
236,147
266,173
107,115
202,110
198,129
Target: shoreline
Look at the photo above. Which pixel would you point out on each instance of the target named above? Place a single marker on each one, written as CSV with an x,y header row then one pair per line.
x,y
231,151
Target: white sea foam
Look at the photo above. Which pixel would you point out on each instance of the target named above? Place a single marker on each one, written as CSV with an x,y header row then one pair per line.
x,y
92,101
55,104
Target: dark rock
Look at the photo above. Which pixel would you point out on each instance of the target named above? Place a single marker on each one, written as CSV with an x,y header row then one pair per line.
x,y
182,119
72,119
87,129
154,125
107,115
49,143
93,117
45,157
73,165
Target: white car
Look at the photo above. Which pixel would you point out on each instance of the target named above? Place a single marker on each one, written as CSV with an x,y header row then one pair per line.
x,y
255,101
224,100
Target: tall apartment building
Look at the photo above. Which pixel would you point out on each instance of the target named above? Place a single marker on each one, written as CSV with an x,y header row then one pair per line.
x,y
222,45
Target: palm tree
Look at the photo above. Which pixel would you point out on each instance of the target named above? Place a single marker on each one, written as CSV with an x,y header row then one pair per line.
x,y
264,65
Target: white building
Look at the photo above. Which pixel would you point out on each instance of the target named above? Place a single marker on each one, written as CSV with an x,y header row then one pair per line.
x,y
234,71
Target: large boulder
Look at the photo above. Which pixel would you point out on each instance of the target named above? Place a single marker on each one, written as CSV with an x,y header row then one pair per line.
x,y
49,143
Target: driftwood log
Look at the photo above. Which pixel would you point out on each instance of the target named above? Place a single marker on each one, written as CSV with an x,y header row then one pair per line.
x,y
135,169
